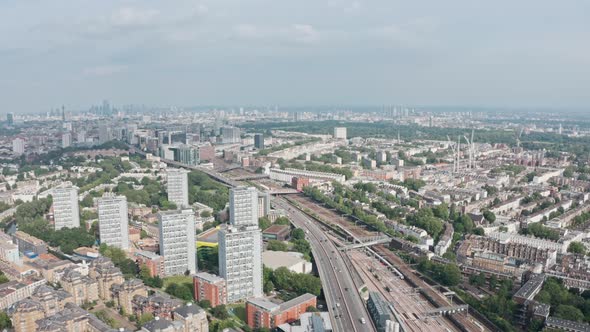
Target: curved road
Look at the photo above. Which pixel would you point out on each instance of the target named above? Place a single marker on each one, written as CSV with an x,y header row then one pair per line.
x,y
344,302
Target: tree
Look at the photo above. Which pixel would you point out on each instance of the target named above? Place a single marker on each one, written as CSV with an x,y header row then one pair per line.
x,y
298,234
88,201
181,291
220,312
275,245
5,322
576,248
311,309
493,282
477,279
569,312
441,211
489,216
263,223
281,278
282,221
144,318
205,304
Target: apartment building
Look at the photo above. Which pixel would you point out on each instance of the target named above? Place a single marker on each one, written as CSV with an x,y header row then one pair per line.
x,y
261,313
178,187
113,221
240,261
66,211
211,288
177,241
243,202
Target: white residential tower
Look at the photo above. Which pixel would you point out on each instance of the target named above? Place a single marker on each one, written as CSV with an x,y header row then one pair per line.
x,y
113,221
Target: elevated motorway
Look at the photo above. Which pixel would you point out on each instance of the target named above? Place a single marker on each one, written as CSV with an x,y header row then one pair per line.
x,y
347,309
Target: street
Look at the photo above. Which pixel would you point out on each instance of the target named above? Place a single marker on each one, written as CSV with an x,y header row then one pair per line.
x,y
346,307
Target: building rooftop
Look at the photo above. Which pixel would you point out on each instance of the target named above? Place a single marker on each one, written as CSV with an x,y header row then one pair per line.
x,y
567,325
29,238
297,301
531,287
276,259
309,322
211,278
264,304
277,229
210,236
188,309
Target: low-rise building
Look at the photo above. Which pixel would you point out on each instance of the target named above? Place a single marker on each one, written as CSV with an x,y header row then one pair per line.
x,y
125,292
294,261
82,288
261,313
28,243
14,291
192,317
158,304
381,314
25,315
152,261
276,232
106,274
210,287
309,321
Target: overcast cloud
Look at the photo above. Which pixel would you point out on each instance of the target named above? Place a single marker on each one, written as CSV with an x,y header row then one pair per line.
x,y
305,52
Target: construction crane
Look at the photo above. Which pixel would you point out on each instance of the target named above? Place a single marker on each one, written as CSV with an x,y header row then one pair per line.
x,y
451,144
471,150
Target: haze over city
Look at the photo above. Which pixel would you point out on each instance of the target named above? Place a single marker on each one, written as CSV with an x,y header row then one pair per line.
x,y
303,166
335,52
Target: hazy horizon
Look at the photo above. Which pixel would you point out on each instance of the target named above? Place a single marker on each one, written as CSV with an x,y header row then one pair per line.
x,y
524,55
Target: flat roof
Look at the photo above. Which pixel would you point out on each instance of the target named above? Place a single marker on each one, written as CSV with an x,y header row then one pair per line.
x,y
28,237
296,301
264,304
209,277
276,259
276,229
531,287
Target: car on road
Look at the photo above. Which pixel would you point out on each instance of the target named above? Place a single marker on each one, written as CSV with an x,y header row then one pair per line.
x,y
362,320
338,305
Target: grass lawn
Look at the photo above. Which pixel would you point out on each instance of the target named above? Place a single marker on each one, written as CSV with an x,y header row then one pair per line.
x,y
177,280
239,311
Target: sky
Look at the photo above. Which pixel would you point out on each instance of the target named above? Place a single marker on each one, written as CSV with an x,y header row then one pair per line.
x,y
525,53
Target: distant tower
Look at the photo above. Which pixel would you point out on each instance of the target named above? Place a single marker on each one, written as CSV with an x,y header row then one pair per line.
x,y
259,141
10,119
560,129
63,113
